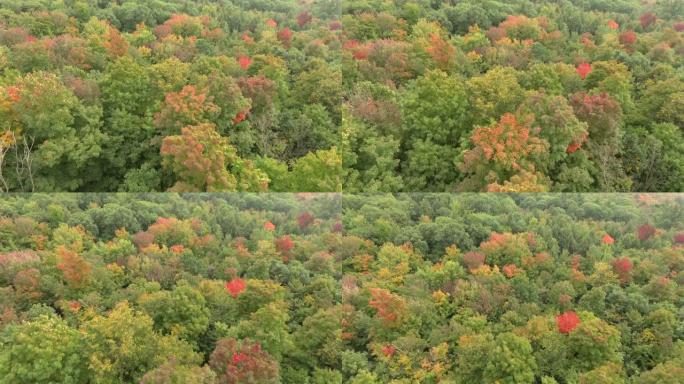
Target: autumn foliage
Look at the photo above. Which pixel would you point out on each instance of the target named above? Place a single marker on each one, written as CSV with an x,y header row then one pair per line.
x,y
583,70
607,239
601,112
622,267
201,159
628,37
285,35
284,244
679,238
504,150
238,362
441,51
190,288
567,321
75,269
236,286
111,87
390,307
186,107
645,232
303,18
473,260
305,219
647,19
244,62
388,350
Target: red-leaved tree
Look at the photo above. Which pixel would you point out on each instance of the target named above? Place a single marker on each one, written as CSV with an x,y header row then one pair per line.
x,y
473,260
567,321
679,238
628,38
622,267
75,269
303,18
305,219
284,244
583,70
268,226
243,362
236,286
285,35
390,307
607,239
645,232
647,19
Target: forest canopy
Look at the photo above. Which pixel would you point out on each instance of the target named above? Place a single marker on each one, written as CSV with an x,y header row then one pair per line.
x,y
178,95
513,96
330,95
365,289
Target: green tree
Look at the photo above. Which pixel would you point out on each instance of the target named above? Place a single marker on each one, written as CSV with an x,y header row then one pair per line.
x,y
319,171
511,361
122,346
44,350
181,312
172,373
57,134
436,114
267,326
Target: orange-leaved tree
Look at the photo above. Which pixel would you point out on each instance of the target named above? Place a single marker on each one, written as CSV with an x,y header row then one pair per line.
x,y
202,160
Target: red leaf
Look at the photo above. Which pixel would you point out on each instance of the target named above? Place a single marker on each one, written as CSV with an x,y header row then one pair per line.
x,y
337,227
473,260
238,357
389,306
285,35
284,244
74,305
177,248
647,19
627,37
14,93
679,238
510,270
567,322
622,267
244,62
607,239
583,70
388,350
303,19
269,226
645,232
240,117
305,219
247,39
572,148
236,286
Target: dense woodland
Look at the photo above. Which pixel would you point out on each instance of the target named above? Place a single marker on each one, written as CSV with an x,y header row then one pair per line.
x,y
326,289
187,95
513,95
326,95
